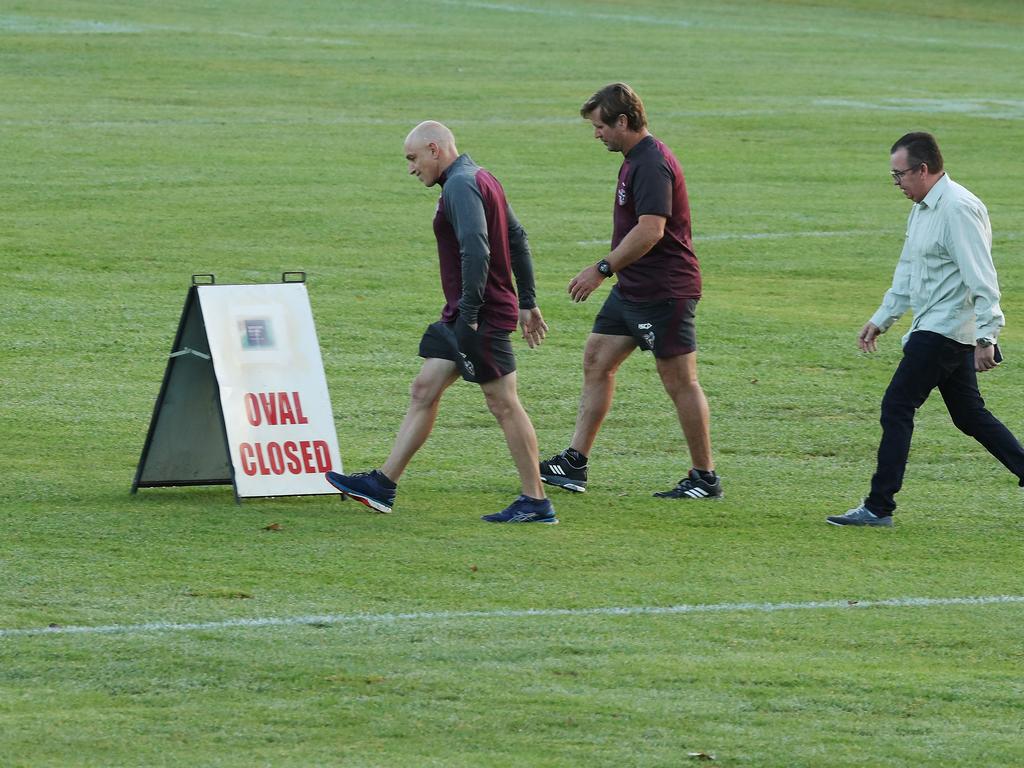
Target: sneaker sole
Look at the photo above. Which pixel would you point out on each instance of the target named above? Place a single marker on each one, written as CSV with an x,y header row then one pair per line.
x,y
552,521
373,504
684,497
857,525
376,506
576,486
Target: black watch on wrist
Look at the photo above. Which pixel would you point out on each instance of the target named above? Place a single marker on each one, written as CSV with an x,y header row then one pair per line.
x,y
605,268
985,342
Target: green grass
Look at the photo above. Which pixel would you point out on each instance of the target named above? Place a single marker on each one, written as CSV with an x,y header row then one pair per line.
x,y
143,142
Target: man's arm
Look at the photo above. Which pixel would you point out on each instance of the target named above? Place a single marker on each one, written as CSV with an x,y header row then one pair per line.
x,y
651,188
895,302
531,322
522,261
464,208
969,243
638,242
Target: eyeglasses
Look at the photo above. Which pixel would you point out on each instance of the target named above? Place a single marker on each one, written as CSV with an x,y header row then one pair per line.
x,y
897,176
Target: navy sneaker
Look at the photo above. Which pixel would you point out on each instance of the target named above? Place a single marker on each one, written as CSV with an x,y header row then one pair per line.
x,y
525,510
693,486
860,516
559,470
369,488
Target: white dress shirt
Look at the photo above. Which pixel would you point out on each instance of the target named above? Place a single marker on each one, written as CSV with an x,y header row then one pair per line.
x,y
945,273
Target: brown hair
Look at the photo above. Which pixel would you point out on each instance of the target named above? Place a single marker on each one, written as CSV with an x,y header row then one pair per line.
x,y
614,100
921,148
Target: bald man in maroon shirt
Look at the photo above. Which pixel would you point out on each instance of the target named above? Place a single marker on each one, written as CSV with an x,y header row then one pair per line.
x,y
481,248
654,302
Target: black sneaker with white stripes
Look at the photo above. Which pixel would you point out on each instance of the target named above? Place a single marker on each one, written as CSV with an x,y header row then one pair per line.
x,y
560,470
693,486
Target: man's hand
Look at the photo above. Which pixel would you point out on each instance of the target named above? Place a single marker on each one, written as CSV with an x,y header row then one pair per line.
x,y
866,337
585,283
984,358
533,325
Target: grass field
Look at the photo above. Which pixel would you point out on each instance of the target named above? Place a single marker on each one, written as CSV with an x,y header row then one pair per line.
x,y
143,142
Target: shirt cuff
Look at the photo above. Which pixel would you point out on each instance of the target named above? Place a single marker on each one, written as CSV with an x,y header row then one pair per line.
x,y
883,320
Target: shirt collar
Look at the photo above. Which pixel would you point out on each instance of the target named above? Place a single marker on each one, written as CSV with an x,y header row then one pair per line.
x,y
459,162
936,192
648,139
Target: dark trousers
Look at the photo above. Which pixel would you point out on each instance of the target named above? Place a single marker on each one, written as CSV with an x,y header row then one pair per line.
x,y
931,360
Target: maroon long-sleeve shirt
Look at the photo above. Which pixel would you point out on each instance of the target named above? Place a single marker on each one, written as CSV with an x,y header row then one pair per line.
x,y
481,246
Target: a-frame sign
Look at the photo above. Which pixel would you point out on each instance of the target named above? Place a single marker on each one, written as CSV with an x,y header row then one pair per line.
x,y
244,399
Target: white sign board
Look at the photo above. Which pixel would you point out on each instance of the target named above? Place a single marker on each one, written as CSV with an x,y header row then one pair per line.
x,y
244,399
273,393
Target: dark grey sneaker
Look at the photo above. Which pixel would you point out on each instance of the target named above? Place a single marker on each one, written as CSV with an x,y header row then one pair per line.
x,y
860,516
525,510
693,487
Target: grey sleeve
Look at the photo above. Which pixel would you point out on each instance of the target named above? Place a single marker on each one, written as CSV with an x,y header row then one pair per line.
x,y
522,261
464,207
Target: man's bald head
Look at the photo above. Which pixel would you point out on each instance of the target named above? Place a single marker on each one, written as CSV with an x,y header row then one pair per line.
x,y
429,150
431,132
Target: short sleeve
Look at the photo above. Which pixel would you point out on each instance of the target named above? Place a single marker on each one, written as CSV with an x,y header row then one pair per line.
x,y
652,189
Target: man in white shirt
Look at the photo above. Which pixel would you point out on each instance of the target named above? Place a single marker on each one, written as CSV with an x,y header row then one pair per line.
x,y
946,276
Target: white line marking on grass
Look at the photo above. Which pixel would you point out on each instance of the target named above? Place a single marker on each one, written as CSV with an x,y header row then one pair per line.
x,y
569,14
33,25
997,109
783,235
440,616
764,236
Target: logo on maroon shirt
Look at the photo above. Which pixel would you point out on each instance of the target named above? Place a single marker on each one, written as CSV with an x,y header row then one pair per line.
x,y
622,193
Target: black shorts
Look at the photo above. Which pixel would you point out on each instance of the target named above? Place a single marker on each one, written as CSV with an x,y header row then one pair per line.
x,y
481,355
665,328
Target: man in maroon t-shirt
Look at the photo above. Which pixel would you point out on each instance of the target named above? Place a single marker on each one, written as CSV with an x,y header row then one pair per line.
x,y
654,303
481,247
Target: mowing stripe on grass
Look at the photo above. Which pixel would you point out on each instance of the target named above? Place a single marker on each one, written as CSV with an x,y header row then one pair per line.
x,y
782,27
428,616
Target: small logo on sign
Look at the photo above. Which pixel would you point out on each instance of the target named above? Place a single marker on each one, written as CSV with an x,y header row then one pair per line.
x,y
256,334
